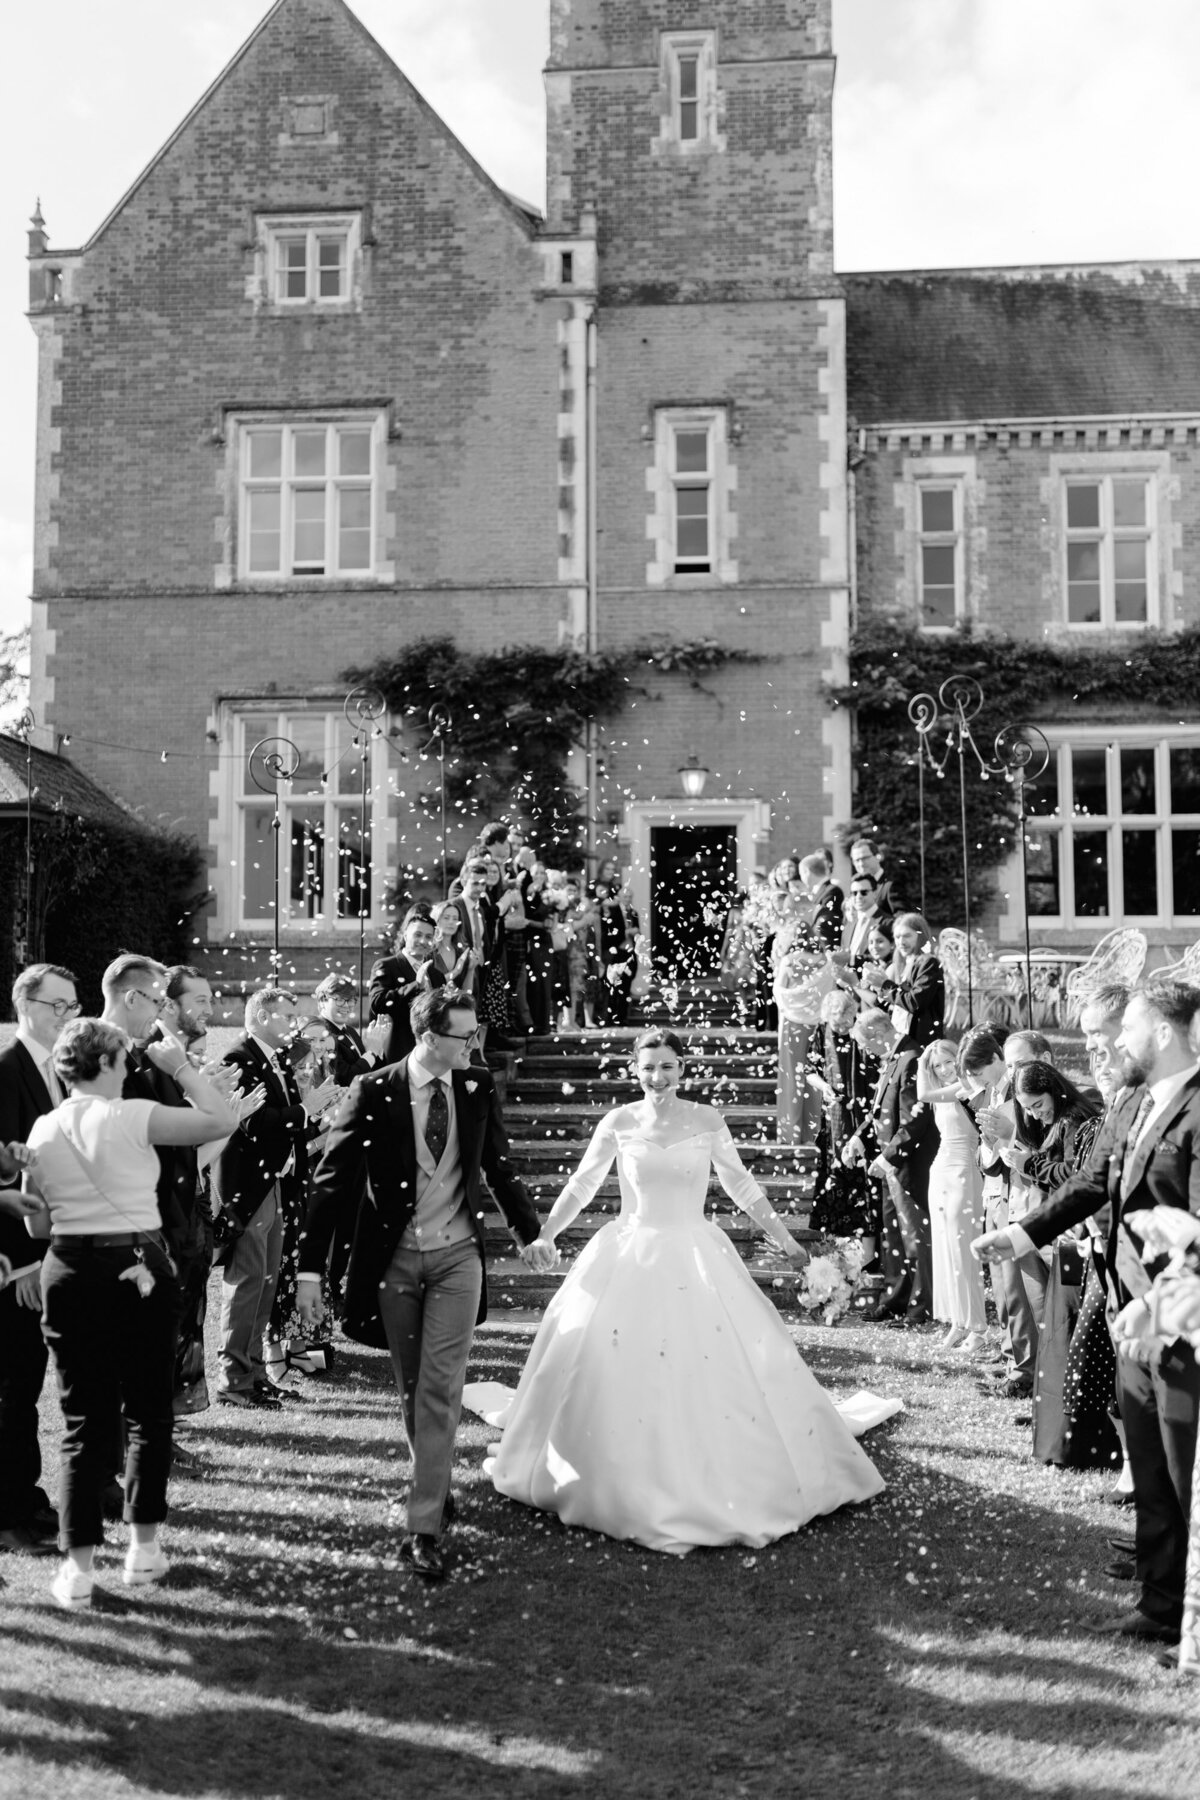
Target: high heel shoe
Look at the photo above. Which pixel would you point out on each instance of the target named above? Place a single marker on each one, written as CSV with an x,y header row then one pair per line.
x,y
953,1338
974,1344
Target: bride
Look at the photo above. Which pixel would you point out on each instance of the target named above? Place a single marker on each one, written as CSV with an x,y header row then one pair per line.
x,y
664,1400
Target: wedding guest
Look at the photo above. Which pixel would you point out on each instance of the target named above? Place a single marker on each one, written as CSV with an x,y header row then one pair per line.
x,y
1147,1154
955,1202
864,860
985,1081
914,985
1075,1369
738,973
897,1144
766,1012
826,898
43,998
412,969
290,1347
803,976
540,915
109,1297
844,1078
860,918
616,943
355,1052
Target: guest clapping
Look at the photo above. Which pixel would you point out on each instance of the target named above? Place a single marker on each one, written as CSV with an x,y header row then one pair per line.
x,y
913,987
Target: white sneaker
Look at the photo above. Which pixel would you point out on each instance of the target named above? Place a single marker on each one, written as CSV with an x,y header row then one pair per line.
x,y
72,1587
144,1563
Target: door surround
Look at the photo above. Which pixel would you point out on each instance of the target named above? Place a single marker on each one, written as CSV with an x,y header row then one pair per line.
x,y
751,819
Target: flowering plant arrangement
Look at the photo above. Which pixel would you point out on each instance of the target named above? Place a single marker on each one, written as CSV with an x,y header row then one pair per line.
x,y
829,1279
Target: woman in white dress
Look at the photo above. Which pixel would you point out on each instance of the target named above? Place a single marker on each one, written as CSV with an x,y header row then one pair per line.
x,y
664,1400
955,1203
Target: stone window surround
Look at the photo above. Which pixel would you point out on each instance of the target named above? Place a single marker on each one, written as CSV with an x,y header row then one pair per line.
x,y
716,418
711,101
959,472
1164,583
269,228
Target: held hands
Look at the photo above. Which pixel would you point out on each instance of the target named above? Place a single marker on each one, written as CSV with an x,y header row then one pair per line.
x,y
880,1168
309,1304
542,1254
854,1154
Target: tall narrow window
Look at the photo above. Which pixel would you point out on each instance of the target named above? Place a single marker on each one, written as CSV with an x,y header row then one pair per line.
x,y
689,96
692,482
308,497
1109,550
939,528
689,73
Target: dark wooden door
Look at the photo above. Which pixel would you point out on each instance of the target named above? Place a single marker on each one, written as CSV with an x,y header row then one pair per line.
x,y
693,878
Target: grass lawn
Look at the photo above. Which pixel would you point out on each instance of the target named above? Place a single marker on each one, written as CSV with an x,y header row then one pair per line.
x,y
928,1645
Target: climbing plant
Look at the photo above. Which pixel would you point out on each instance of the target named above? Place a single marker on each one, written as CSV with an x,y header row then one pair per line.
x,y
1023,682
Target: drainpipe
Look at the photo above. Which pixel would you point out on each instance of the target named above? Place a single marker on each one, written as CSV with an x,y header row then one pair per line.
x,y
592,638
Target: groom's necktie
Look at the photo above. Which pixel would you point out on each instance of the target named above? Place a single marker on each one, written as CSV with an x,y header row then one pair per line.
x,y
437,1121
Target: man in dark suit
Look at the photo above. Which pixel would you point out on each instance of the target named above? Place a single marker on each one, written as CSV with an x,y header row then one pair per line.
x,y
336,1001
897,1144
826,898
858,919
44,1000
259,1175
420,1131
1147,1154
864,860
398,980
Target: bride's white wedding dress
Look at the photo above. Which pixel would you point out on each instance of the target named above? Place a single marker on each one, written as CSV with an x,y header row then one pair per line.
x,y
664,1400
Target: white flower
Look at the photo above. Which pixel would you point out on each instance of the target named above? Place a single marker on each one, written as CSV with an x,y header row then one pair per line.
x,y
472,1086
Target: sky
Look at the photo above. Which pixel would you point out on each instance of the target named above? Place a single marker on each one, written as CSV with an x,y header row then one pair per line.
x,y
966,133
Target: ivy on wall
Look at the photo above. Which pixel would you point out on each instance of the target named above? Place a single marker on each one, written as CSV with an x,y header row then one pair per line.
x,y
1023,682
517,713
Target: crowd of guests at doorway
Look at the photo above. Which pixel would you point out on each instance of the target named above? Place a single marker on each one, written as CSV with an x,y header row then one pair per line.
x,y
538,949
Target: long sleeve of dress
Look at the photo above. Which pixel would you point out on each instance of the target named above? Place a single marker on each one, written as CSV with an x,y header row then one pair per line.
x,y
585,1183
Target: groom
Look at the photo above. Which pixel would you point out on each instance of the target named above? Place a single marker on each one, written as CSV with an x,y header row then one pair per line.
x,y
418,1131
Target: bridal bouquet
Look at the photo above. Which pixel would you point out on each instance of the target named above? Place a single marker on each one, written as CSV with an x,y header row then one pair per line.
x,y
827,1282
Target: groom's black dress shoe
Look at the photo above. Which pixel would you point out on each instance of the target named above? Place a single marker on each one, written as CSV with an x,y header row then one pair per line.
x,y
1136,1625
878,1315
1125,1542
425,1555
1125,1569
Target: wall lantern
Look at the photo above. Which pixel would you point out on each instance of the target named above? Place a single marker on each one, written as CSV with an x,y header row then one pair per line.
x,y
692,777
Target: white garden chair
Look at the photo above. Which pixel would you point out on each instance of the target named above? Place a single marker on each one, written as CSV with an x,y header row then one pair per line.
x,y
1186,969
1117,959
989,979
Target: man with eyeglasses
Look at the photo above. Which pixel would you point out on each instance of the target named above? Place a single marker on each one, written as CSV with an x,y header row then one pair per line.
x,y
43,998
402,1167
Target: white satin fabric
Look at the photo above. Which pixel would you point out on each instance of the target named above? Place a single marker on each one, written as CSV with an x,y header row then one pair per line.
x,y
664,1400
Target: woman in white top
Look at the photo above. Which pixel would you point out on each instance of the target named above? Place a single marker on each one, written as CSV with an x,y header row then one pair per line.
x,y
109,1293
955,1202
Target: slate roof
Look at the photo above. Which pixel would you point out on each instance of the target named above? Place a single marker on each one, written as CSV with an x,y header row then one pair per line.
x,y
974,344
58,786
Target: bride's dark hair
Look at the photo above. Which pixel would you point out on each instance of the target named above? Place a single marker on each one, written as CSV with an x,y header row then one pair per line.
x,y
654,1038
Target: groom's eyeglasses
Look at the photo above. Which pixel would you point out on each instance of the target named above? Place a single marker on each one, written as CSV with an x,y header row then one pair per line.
x,y
460,1037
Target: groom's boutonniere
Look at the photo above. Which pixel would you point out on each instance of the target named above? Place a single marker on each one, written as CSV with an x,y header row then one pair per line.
x,y
472,1087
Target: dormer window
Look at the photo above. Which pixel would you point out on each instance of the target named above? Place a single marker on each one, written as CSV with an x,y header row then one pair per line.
x,y
310,261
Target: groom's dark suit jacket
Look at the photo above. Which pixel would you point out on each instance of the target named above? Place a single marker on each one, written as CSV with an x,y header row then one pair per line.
x,y
373,1137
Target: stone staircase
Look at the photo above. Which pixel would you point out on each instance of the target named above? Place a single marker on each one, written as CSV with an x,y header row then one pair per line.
x,y
560,1087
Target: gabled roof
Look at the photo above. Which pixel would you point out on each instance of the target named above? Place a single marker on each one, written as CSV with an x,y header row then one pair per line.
x,y
976,344
511,205
57,786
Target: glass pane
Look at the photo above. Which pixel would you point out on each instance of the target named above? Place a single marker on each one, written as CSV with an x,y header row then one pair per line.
x,y
308,452
1091,874
307,732
1138,786
937,565
257,873
304,827
308,505
354,867
1083,562
354,452
1042,861
1083,603
351,755
1129,503
1129,603
262,526
1129,559
1041,796
293,269
354,528
937,509
254,729
1083,506
937,607
266,455
689,73
329,267
691,452
1185,779
1088,783
689,121
1139,863
1185,873
691,524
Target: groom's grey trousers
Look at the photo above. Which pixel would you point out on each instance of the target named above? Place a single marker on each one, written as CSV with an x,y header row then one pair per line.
x,y
428,1302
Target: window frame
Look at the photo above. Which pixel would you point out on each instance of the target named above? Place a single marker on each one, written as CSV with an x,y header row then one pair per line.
x,y
289,483
678,48
244,728
666,481
1114,821
276,229
954,538
1107,534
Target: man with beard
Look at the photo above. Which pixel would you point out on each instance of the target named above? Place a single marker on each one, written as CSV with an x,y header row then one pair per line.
x,y
1147,1154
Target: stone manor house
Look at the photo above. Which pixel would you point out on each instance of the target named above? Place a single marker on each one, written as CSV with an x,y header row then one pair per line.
x,y
317,387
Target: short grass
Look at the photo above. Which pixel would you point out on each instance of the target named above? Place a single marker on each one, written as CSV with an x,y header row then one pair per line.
x,y
930,1645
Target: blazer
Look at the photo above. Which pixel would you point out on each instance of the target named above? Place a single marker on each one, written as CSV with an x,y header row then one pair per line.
x,y
178,1170
373,1138
24,1097
898,1126
254,1158
830,903
1165,1172
923,995
349,1054
394,987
